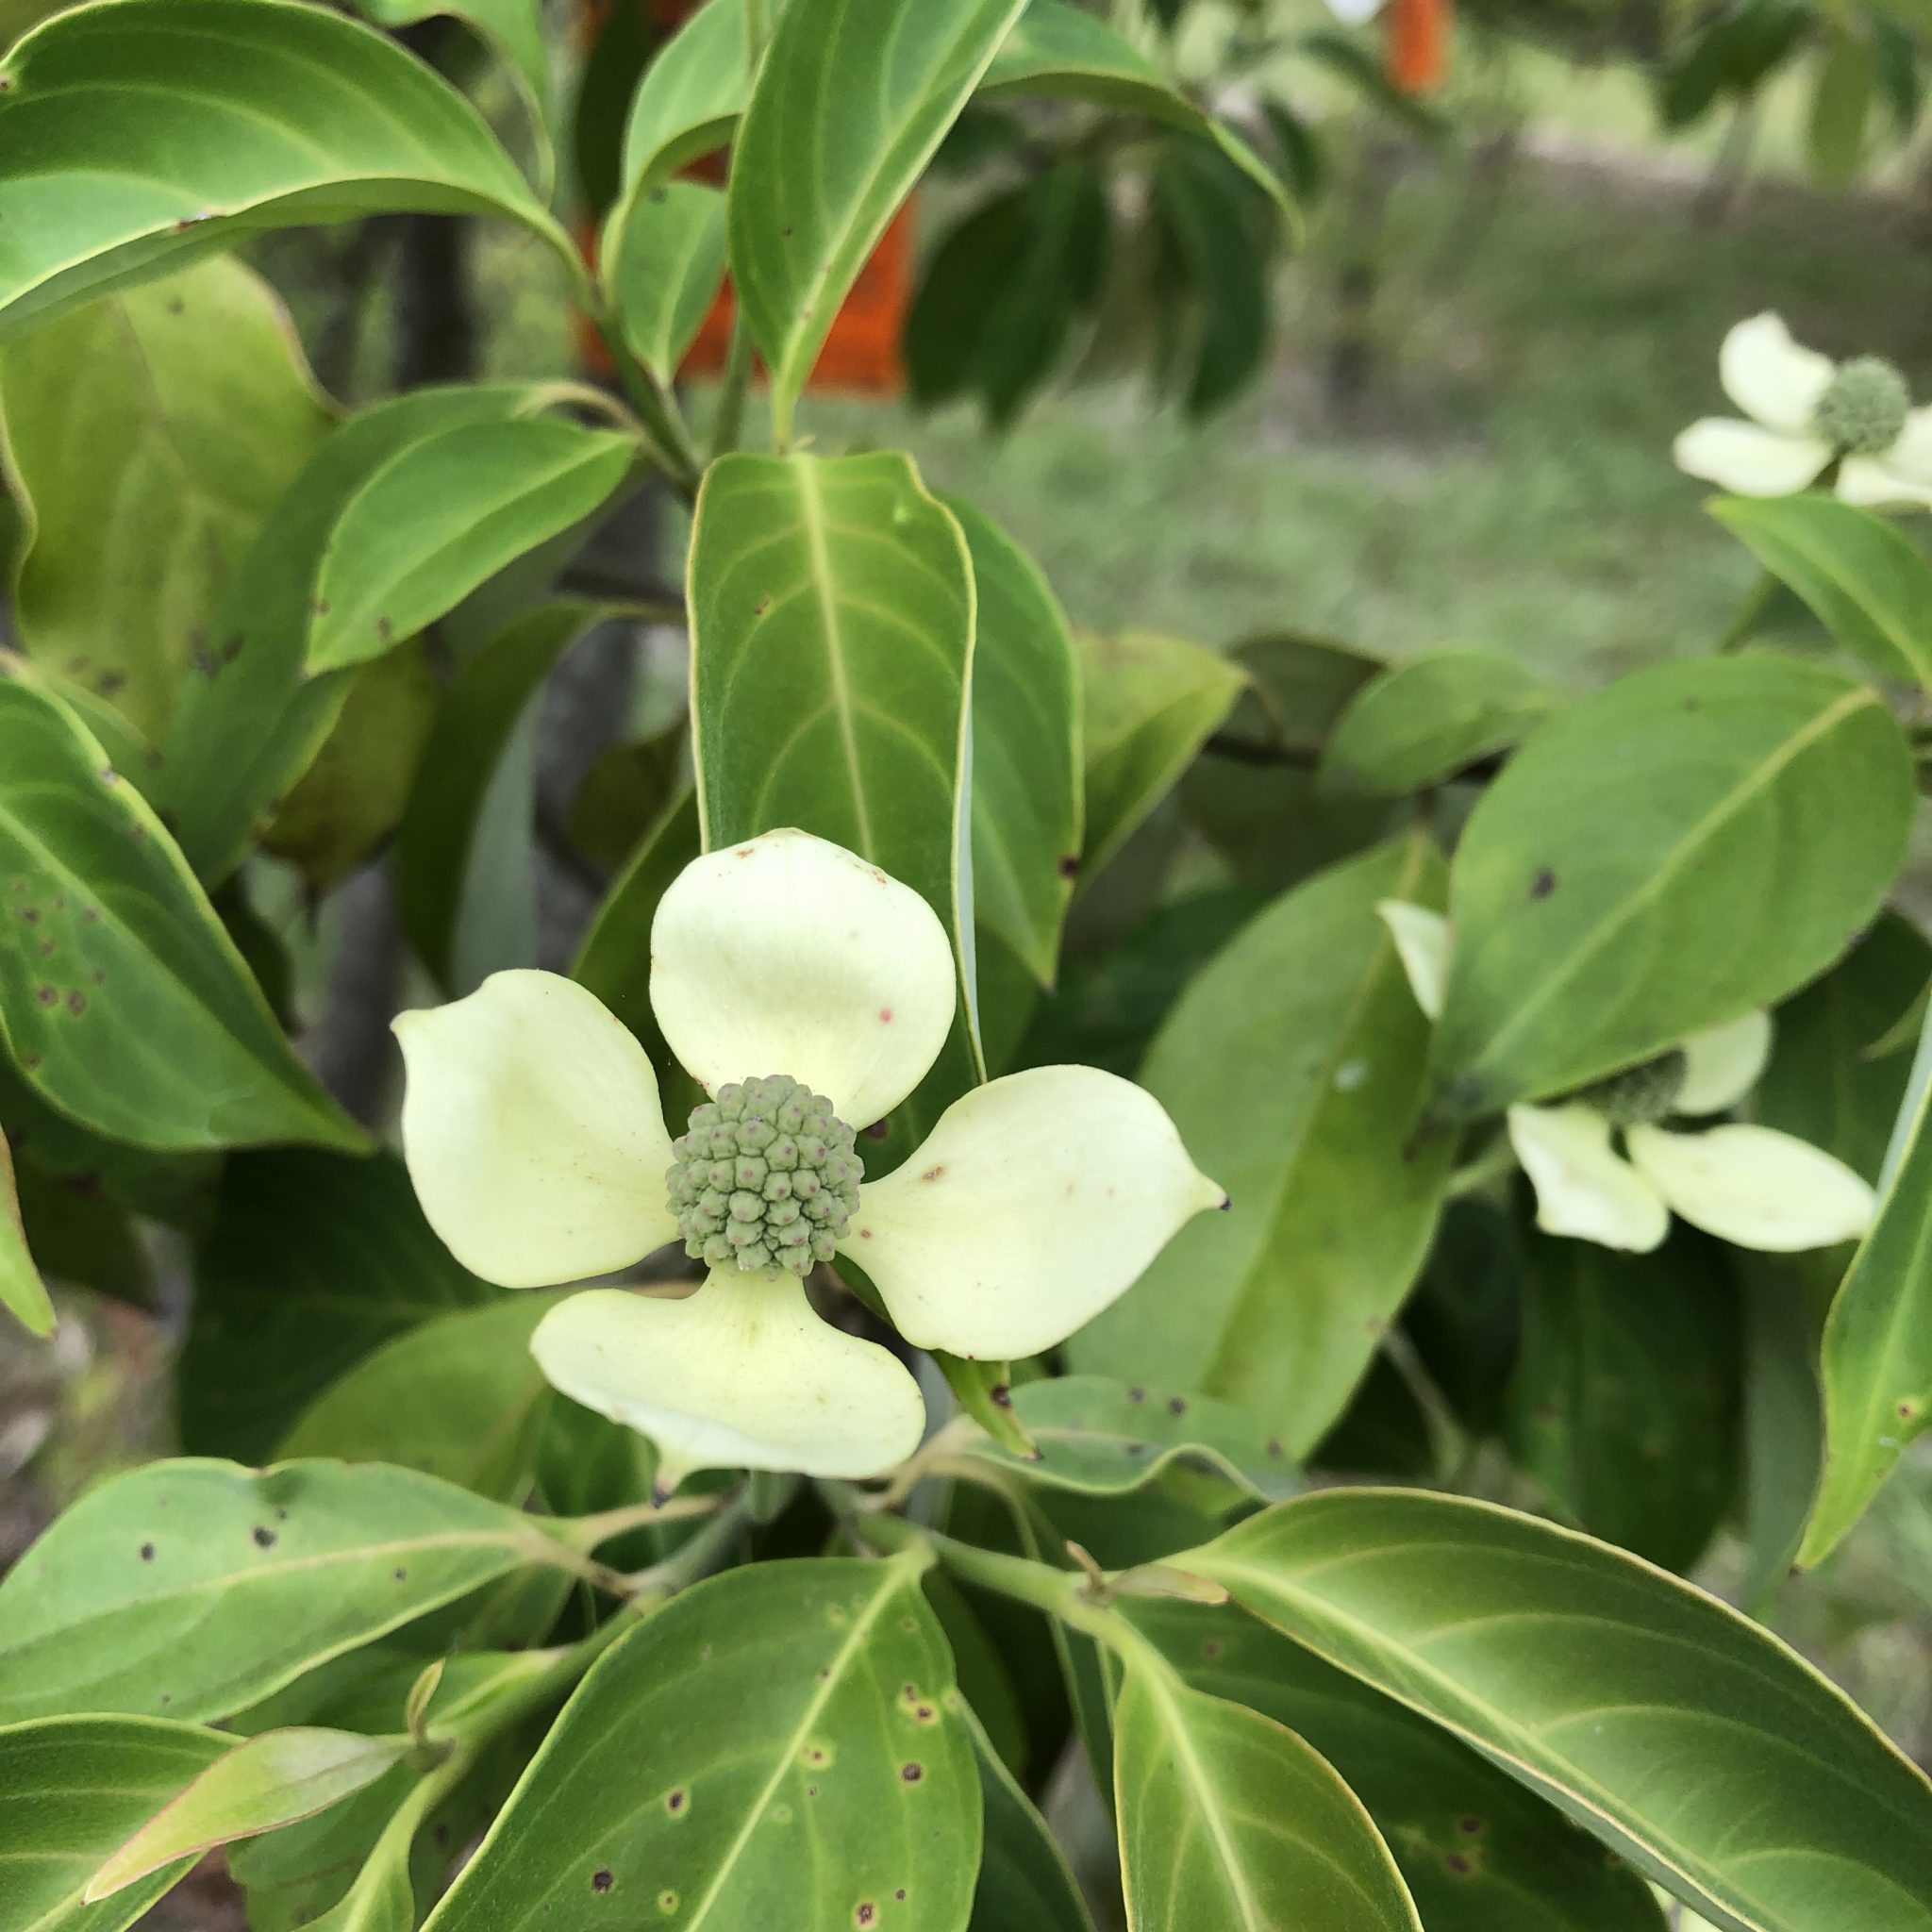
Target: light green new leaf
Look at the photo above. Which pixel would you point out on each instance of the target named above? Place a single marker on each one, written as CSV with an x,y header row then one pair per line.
x,y
123,1000
1869,586
146,438
459,1397
70,1790
1877,1364
1148,702
690,98
137,135
23,1294
1026,802
851,101
1479,1853
277,1778
1098,1438
1230,1823
444,516
1688,1740
1421,721
1291,1066
775,1747
662,262
832,633
1698,840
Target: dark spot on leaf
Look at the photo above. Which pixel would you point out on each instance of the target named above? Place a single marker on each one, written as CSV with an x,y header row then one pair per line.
x,y
402,1576
1469,1826
48,996
864,1915
673,1801
1275,1452
77,1003
763,606
1176,1406
911,1773
1457,1863
1137,1395
1544,883
31,914
385,629
932,1173
147,1553
878,1130
900,1894
602,1880
321,607
1070,866
1211,1648
167,1697
1001,1395
264,1536
1137,1448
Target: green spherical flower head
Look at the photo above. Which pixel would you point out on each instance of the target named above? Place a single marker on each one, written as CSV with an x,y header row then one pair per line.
x,y
1864,410
766,1177
1642,1095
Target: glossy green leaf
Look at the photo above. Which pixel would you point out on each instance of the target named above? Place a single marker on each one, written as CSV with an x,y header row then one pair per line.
x,y
23,1294
1869,586
1230,1823
691,97
1292,1067
662,261
1624,1403
1421,722
465,873
1148,702
1477,1852
314,1261
1100,1437
197,1586
855,580
850,102
777,1746
139,134
459,1397
1784,1302
1026,793
277,1778
445,515
123,1000
146,438
1697,839
71,1789
1637,1704
1024,1880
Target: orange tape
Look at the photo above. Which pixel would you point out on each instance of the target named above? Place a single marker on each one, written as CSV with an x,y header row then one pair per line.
x,y
1418,45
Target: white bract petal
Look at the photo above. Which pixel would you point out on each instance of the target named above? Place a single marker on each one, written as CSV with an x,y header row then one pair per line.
x,y
532,1132
1036,1201
1747,460
1775,380
1911,457
739,1376
1584,1188
1421,940
788,955
1873,481
1355,12
1723,1064
1754,1187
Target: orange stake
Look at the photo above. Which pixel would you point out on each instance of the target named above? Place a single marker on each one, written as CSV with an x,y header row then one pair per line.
x,y
1418,44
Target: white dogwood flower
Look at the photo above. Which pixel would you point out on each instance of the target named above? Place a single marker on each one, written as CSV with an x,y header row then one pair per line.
x,y
1807,411
1748,1185
1355,12
806,992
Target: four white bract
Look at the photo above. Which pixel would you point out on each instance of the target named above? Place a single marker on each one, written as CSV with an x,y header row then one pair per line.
x,y
1807,412
534,1136
1748,1185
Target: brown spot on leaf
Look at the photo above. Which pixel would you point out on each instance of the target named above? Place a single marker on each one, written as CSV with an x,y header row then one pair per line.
x,y
602,1880
1544,883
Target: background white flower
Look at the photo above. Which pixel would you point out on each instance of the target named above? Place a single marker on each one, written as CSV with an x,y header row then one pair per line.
x,y
1806,410
534,1136
1748,1185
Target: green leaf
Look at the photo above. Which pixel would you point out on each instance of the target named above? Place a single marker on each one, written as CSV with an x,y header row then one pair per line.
x,y
691,97
1867,582
1695,841
1148,704
1024,1880
1479,1853
1100,1437
1228,1820
662,262
1623,1403
852,576
459,1397
1421,722
775,1747
1877,1364
469,898
23,1294
139,134
1785,1299
1841,105
277,1778
155,430
1637,1704
198,1586
1292,1067
123,1000
314,1262
445,516
70,1790
841,121
1026,798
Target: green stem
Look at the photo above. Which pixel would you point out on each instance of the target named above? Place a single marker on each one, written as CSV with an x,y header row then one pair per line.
x,y
693,1559
1497,1160
585,1533
728,427
1059,1592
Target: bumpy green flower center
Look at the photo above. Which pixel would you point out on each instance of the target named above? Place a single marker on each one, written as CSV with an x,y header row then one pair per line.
x,y
1642,1095
766,1177
1865,407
